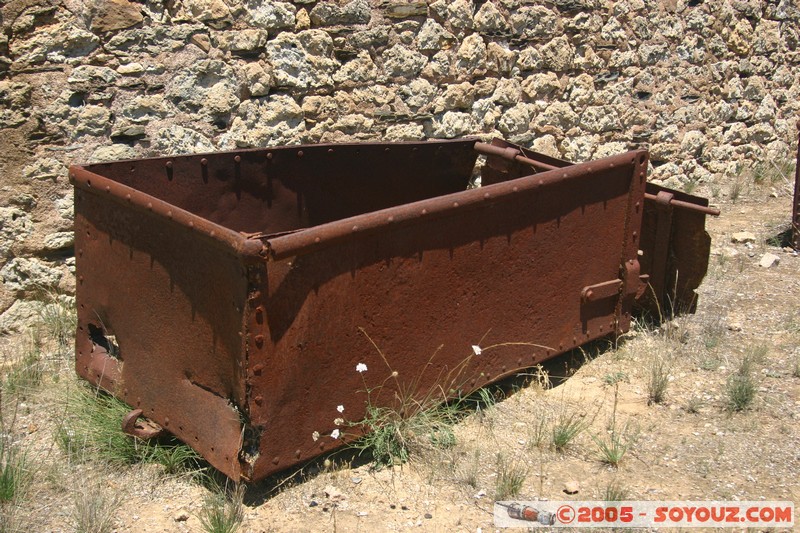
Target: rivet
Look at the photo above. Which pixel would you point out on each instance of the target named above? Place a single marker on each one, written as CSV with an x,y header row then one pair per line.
x,y
259,340
390,219
635,234
259,314
276,460
297,454
330,150
150,206
191,224
455,204
237,159
166,421
299,153
212,233
204,161
71,176
486,196
355,228
541,182
108,189
259,400
316,239
88,183
269,155
257,369
168,164
424,211
128,197
515,189
169,214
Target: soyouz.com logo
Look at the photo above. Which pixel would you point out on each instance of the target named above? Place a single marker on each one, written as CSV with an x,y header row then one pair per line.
x,y
643,514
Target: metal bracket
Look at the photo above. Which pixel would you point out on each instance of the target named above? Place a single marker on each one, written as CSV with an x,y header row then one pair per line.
x,y
144,429
607,289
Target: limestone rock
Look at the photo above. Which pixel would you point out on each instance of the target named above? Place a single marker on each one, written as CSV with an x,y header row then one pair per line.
x,y
200,10
460,14
273,120
547,145
56,43
302,61
743,237
245,42
46,168
92,120
206,88
404,132
540,85
26,274
113,15
453,124
359,71
15,227
558,114
15,98
500,60
405,8
433,37
599,119
22,314
740,39
302,21
89,77
417,94
769,260
331,14
59,241
259,78
471,56
508,92
535,22
516,120
130,69
693,143
177,140
144,108
114,152
609,149
399,61
489,19
274,15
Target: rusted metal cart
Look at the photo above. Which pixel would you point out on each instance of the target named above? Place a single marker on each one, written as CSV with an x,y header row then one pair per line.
x,y
231,297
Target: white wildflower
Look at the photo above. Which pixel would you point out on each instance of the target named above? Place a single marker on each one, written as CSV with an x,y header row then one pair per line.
x,y
340,408
335,434
476,349
338,421
315,436
361,367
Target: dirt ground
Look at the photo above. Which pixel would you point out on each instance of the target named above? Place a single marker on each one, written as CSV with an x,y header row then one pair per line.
x,y
688,447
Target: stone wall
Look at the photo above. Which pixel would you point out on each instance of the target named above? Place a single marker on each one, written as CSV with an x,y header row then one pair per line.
x,y
709,86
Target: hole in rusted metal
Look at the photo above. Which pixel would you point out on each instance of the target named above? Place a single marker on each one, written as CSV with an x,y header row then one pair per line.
x,y
103,340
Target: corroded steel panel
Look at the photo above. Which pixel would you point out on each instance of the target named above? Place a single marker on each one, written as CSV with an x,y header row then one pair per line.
x,y
231,296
